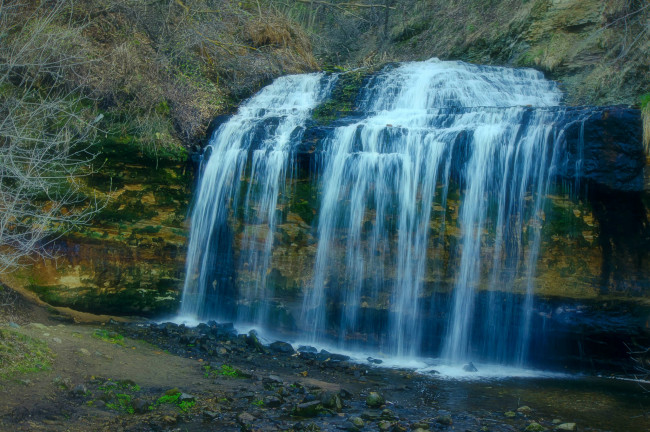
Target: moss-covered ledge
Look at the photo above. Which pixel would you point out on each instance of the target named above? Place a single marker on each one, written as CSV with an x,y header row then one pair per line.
x,y
130,259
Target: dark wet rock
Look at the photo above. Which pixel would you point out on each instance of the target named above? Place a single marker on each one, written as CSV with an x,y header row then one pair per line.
x,y
253,341
422,425
370,416
387,415
308,409
331,400
469,367
210,415
345,394
272,401
307,349
445,420
399,427
375,400
385,425
282,347
349,426
374,360
339,358
140,406
609,142
357,421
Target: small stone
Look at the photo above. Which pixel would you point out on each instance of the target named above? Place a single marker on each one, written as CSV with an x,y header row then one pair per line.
x,y
422,425
510,414
535,427
169,419
14,325
469,367
210,415
25,382
56,340
37,326
83,351
245,418
445,420
566,427
375,400
374,360
222,351
524,409
140,406
369,416
307,409
420,430
79,390
357,421
275,379
385,425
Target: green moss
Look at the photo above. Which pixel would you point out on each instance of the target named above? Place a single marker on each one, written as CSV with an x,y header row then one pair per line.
x,y
644,101
344,96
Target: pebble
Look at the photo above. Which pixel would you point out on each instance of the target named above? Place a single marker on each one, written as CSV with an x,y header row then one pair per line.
x,y
357,421
57,340
83,351
566,427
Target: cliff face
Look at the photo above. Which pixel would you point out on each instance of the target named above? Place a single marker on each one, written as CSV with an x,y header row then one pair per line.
x,y
130,260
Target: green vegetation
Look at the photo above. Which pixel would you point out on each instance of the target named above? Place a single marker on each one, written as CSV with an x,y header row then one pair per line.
x,y
172,397
224,370
21,354
109,336
121,404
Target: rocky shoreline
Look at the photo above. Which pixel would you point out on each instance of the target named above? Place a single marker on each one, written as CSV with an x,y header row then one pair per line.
x,y
168,377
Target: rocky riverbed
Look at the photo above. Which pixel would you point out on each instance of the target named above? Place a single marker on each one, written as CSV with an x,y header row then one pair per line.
x,y
168,377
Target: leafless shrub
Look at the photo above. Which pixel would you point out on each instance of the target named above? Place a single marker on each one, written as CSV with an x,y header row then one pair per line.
x,y
45,128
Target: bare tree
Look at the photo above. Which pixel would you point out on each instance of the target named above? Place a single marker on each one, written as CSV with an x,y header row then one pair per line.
x,y
45,129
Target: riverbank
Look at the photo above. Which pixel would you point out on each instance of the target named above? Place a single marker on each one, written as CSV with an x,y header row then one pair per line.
x,y
142,376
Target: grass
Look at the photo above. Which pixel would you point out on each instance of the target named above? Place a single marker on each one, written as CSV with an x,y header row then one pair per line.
x,y
109,336
20,354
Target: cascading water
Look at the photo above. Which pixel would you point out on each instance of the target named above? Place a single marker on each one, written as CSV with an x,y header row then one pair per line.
x,y
380,181
425,131
263,131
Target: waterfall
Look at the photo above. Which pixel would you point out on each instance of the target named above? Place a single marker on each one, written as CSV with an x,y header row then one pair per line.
x,y
429,140
380,179
256,143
